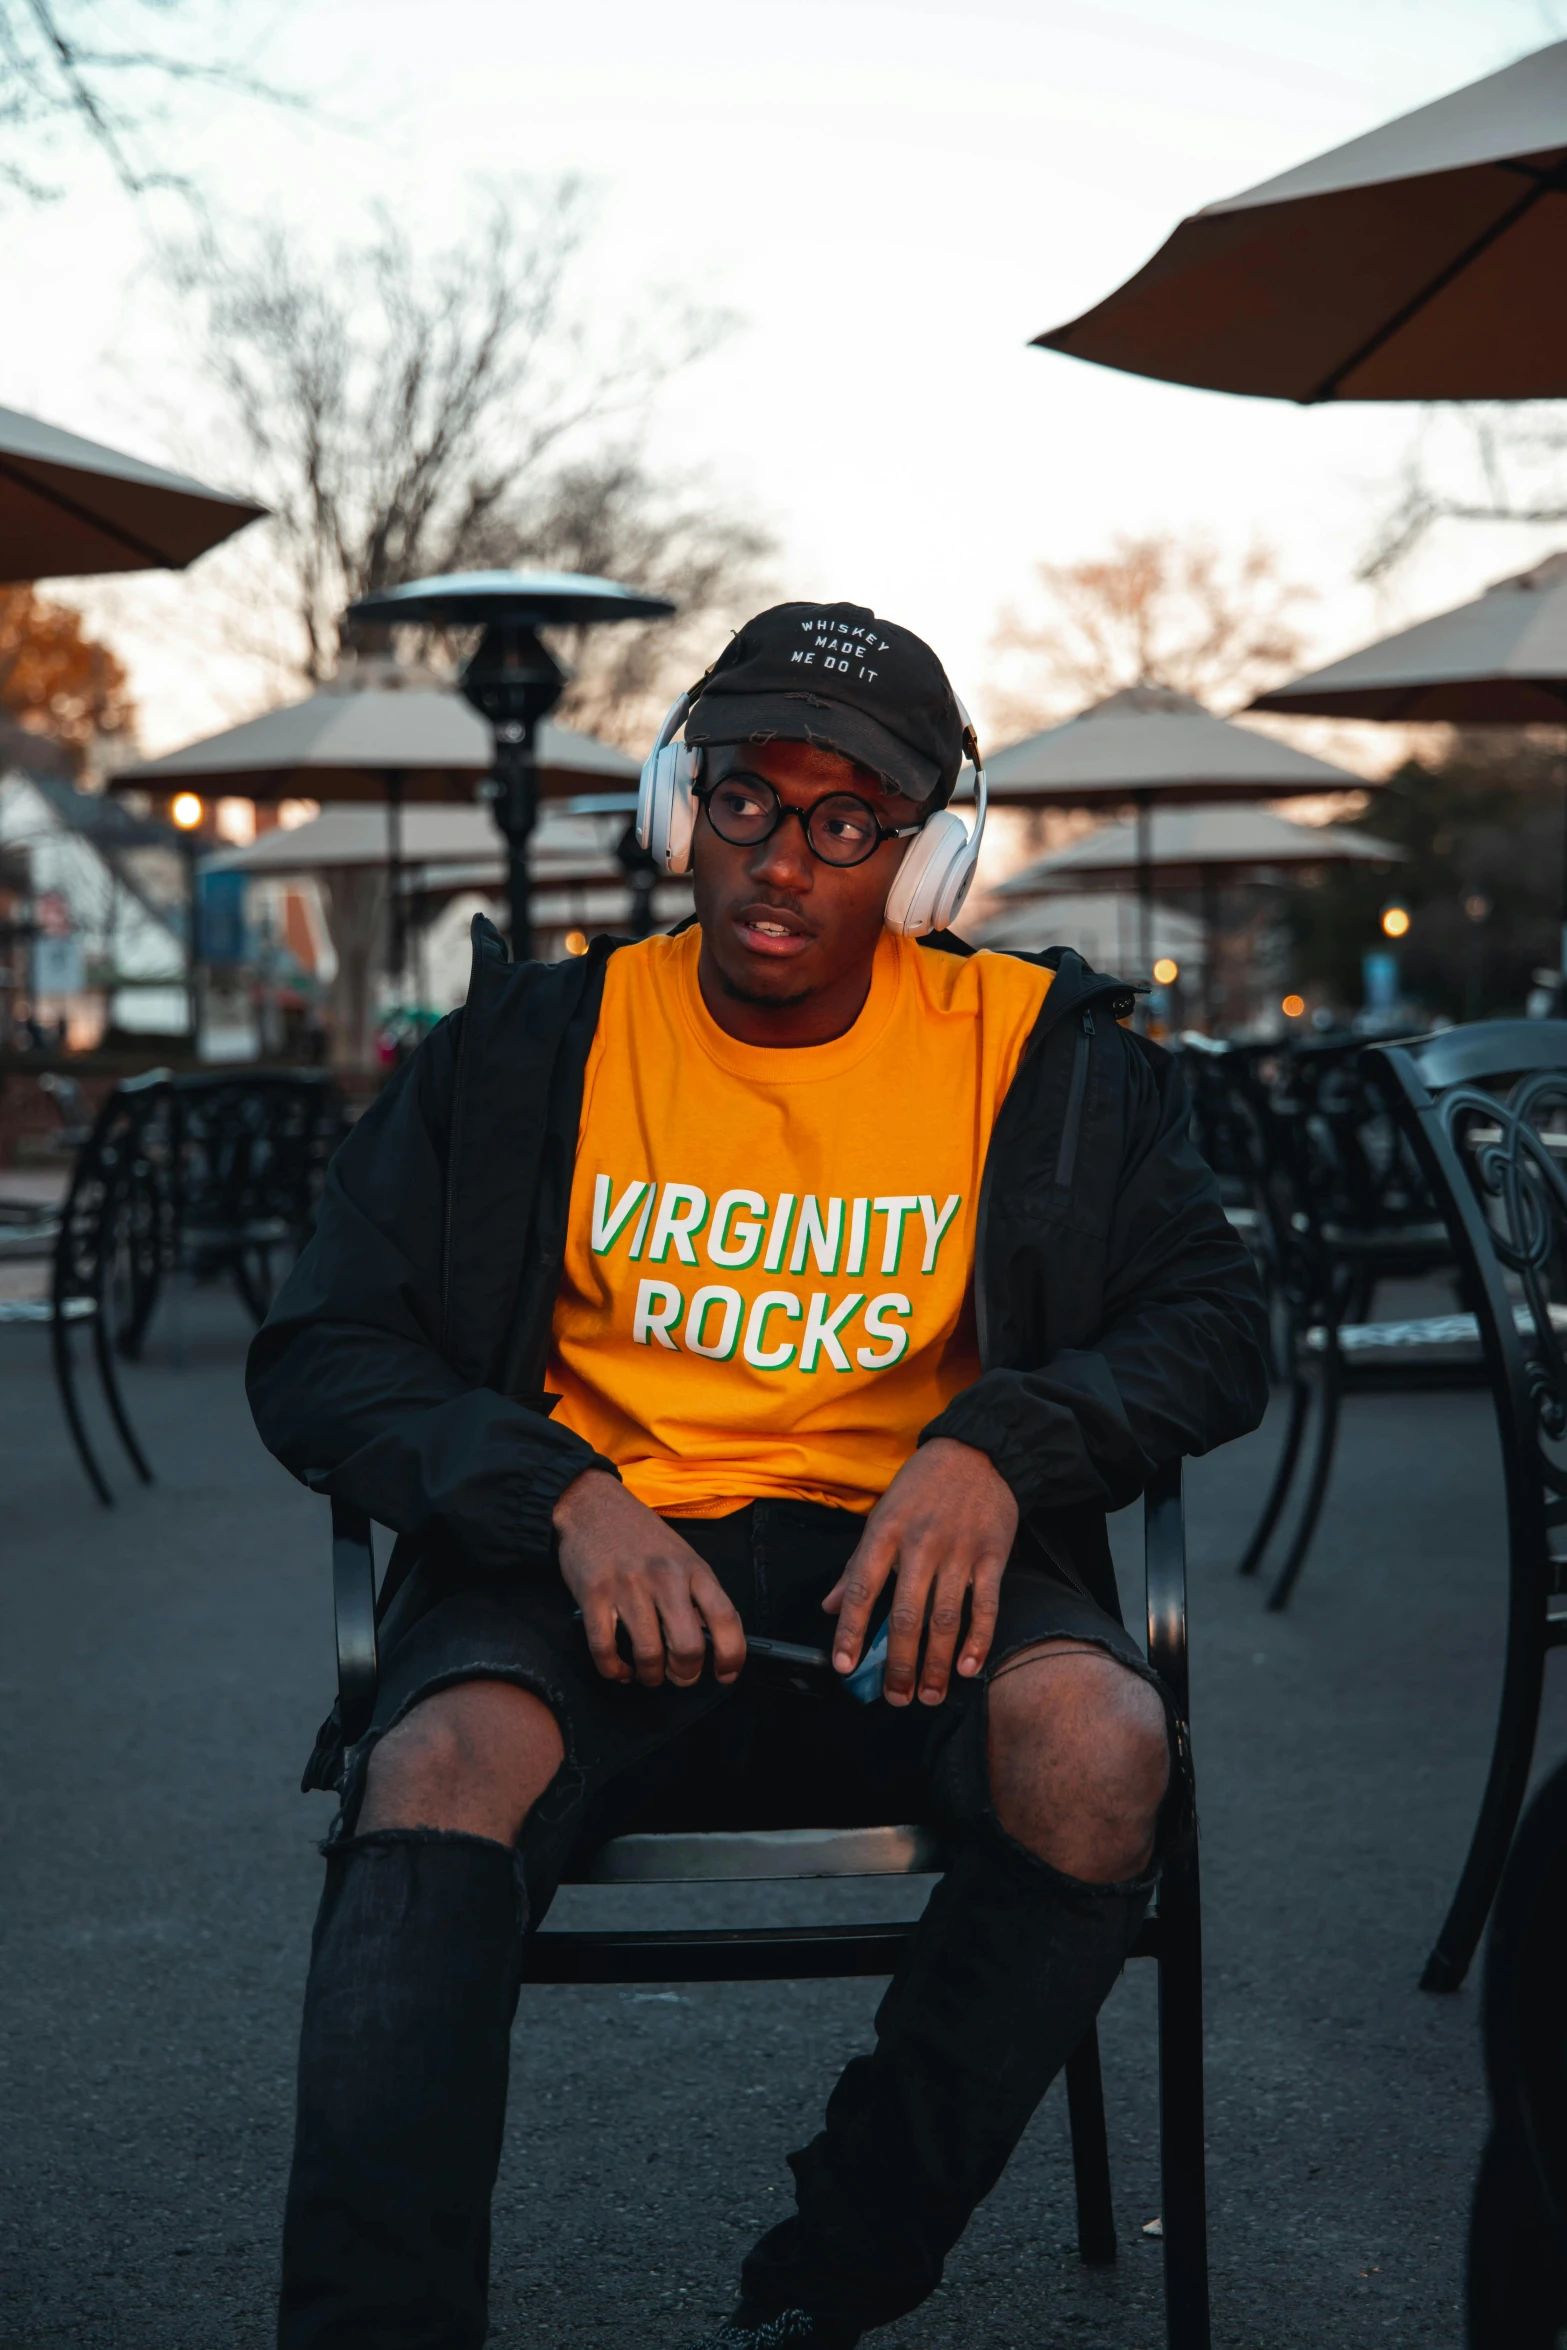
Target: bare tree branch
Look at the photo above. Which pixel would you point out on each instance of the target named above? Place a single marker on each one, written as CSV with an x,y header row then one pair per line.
x,y
404,414
1485,464
1157,610
55,82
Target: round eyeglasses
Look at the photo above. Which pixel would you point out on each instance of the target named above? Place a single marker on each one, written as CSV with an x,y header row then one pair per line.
x,y
842,829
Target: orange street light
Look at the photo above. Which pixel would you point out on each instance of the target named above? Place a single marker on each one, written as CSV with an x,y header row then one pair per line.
x,y
1395,921
1167,970
1293,1006
187,811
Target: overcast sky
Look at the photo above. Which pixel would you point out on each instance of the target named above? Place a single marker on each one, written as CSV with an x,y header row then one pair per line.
x,y
893,195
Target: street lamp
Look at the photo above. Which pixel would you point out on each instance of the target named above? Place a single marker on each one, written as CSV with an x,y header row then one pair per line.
x,y
512,680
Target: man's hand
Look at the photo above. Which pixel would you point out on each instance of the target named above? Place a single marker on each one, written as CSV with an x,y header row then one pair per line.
x,y
623,1565
945,1527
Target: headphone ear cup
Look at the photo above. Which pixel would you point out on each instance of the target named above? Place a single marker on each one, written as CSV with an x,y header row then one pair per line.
x,y
933,879
666,813
685,765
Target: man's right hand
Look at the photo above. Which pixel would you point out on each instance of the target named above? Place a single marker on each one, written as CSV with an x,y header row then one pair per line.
x,y
623,1565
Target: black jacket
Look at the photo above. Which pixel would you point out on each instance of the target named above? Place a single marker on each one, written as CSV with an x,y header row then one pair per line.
x,y
402,1365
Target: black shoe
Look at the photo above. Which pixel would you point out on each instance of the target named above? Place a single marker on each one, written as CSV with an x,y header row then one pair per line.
x,y
750,2328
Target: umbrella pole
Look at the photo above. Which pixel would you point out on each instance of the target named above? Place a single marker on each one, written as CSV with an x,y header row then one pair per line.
x,y
1561,992
396,937
1144,886
1210,934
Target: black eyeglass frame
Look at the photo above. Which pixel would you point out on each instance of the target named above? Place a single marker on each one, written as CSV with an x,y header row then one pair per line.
x,y
703,792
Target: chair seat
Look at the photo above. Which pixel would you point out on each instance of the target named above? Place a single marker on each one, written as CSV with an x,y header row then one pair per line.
x,y
1388,1240
41,1309
1428,1330
731,1856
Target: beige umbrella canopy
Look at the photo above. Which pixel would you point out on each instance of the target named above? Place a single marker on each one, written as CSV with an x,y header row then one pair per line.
x,y
1188,843
1148,746
68,506
1420,262
1150,742
1094,922
1195,849
443,851
343,742
1499,661
377,735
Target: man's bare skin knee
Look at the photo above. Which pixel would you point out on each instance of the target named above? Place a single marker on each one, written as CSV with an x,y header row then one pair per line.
x,y
1079,1760
473,1759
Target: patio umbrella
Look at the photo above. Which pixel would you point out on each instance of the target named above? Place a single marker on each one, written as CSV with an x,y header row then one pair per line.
x,y
375,735
1415,263
1092,922
1148,746
1499,661
447,850
1196,849
68,506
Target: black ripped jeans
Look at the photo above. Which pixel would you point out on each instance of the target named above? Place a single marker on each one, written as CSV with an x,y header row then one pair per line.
x,y
417,1956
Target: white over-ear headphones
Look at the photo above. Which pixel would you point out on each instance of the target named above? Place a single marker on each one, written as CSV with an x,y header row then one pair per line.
x,y
938,864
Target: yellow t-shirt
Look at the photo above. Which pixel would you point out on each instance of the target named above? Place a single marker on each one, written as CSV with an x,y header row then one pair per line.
x,y
767,1287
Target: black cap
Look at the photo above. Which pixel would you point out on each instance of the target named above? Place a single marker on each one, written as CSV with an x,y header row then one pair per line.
x,y
835,675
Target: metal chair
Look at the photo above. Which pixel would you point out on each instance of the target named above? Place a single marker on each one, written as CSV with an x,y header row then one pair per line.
x,y
1517,2282
247,1156
100,1228
1485,1108
1337,1205
1171,1935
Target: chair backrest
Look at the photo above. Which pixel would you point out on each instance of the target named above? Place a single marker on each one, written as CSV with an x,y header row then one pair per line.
x,y
117,1186
251,1149
1485,1109
1351,1163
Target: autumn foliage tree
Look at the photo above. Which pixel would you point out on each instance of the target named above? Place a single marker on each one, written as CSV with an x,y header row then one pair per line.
x,y
1156,610
55,679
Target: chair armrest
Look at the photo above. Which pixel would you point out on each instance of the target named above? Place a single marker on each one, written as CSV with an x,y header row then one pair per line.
x,y
1164,1541
353,1608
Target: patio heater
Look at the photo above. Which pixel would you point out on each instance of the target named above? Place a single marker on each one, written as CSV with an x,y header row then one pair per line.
x,y
512,679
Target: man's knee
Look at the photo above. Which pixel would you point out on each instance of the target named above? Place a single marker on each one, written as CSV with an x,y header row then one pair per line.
x,y
474,1759
1079,1761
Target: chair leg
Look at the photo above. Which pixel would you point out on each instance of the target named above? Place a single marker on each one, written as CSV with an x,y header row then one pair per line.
x,y
1283,1475
1507,1783
103,1349
1085,2101
254,1283
1330,1398
65,1380
1182,2146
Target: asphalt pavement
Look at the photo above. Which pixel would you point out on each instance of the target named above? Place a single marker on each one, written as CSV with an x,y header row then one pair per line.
x,y
162,1670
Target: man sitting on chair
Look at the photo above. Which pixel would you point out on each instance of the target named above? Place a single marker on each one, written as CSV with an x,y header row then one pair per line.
x,y
620,1314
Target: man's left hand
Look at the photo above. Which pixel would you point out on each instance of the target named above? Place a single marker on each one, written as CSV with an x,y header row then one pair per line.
x,y
944,1527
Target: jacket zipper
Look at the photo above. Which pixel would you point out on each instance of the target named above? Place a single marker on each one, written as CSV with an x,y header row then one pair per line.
x,y
1072,1123
982,1215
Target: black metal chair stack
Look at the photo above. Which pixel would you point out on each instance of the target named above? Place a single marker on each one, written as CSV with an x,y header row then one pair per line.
x,y
247,1159
213,1174
1172,1934
1339,1206
1485,1109
101,1229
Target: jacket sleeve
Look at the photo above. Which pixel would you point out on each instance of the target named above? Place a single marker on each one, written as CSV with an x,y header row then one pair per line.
x,y
1180,1363
347,1379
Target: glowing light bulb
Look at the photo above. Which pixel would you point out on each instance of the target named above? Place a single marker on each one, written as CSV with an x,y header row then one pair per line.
x,y
1167,970
1395,921
1293,1006
187,811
